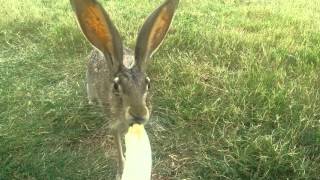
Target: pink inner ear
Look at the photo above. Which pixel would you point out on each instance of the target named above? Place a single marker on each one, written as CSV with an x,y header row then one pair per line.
x,y
96,28
93,21
159,29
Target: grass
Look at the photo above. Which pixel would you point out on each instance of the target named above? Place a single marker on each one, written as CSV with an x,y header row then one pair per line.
x,y
236,91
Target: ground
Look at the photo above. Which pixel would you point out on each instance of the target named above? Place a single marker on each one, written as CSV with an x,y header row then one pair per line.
x,y
235,91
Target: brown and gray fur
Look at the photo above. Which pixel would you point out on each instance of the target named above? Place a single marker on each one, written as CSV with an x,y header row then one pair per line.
x,y
116,76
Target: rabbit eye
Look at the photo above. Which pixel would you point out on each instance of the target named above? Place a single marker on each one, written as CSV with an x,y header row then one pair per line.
x,y
116,89
148,86
116,86
148,83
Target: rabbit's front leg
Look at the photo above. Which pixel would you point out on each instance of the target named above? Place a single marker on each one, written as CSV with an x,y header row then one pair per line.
x,y
121,159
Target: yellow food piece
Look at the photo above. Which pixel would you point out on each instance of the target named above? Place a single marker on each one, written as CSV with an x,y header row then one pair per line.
x,y
136,130
138,160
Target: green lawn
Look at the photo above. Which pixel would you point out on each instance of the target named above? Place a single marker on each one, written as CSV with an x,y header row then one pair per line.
x,y
236,89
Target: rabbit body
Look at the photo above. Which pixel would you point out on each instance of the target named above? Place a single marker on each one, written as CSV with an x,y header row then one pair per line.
x,y
116,76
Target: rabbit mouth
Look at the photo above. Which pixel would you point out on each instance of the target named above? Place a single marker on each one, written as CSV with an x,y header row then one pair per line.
x,y
136,119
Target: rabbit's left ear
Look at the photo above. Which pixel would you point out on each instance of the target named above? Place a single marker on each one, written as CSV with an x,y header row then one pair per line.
x,y
153,32
99,30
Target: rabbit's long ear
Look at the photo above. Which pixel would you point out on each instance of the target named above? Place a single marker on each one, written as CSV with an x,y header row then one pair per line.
x,y
99,30
153,32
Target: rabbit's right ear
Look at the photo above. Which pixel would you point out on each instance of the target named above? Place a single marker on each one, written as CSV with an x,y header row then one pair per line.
x,y
153,32
99,30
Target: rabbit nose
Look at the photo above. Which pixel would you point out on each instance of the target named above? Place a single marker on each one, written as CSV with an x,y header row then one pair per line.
x,y
138,116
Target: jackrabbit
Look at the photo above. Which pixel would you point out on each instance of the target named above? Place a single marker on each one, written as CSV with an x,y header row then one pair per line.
x,y
116,78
